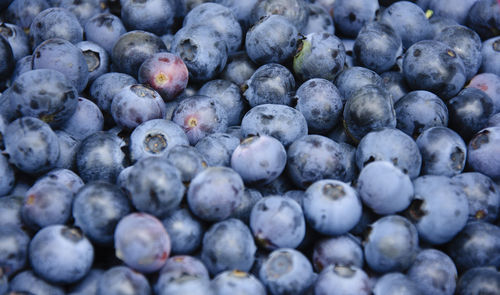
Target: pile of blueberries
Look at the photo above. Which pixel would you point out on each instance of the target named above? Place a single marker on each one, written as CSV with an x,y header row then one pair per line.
x,y
282,147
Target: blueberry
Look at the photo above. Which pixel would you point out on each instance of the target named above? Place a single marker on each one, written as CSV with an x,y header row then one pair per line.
x,y
483,19
155,16
434,272
277,222
68,147
391,244
183,275
55,22
482,153
478,244
60,55
490,50
132,49
479,280
31,144
469,111
494,120
353,79
45,94
443,151
88,285
438,23
200,116
10,211
228,94
456,10
228,245
439,210
47,203
142,242
419,110
202,49
22,12
490,84
409,22
483,195
166,73
215,193
96,57
315,157
27,283
273,39
434,66
466,44
13,250
104,88
7,176
220,18
389,144
319,55
271,83
113,281
339,250
294,11
239,68
83,10
395,283
217,148
17,39
86,120
331,207
188,160
286,271
377,47
155,138
97,208
318,21
154,186
104,29
185,231
338,280
351,16
250,198
231,282
259,159
100,157
368,109
384,188
61,254
65,177
136,104
22,65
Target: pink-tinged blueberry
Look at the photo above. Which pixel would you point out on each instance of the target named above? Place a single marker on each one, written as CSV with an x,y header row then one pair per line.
x,y
200,116
166,73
